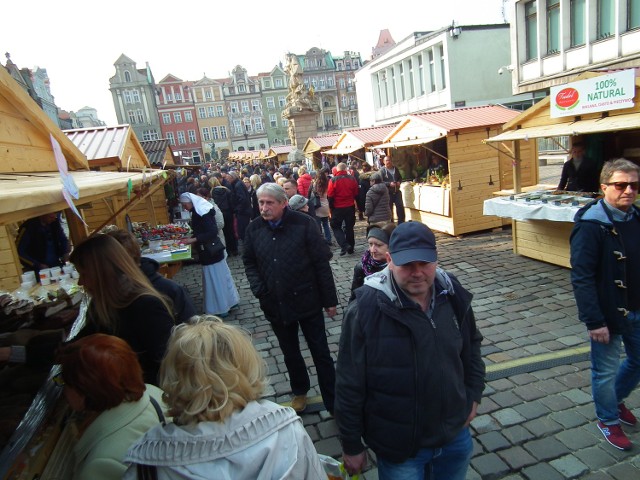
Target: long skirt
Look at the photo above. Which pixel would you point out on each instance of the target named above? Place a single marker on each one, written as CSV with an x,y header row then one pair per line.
x,y
219,290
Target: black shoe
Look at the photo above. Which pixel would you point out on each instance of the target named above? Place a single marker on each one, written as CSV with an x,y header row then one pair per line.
x,y
350,250
343,252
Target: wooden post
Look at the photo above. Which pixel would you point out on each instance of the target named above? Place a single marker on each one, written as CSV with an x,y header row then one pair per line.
x,y
77,230
517,172
151,211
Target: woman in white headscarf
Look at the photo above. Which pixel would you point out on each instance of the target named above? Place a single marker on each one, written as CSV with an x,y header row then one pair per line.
x,y
219,290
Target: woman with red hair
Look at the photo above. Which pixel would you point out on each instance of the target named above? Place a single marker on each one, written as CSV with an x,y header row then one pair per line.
x,y
102,381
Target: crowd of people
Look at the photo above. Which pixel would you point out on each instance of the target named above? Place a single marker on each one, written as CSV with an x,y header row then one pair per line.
x,y
183,395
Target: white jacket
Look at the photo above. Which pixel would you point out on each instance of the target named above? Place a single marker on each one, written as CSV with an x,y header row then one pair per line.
x,y
263,441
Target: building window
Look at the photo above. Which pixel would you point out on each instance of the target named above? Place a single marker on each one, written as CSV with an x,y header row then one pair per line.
x,y
245,106
354,119
237,127
321,84
177,117
342,83
205,134
178,97
531,29
255,105
279,83
181,140
412,91
270,103
258,123
214,133
210,112
242,88
202,112
171,138
352,100
273,120
136,96
219,110
432,72
282,100
285,122
346,121
150,135
188,117
139,116
606,18
248,128
166,118
633,14
443,69
223,131
553,26
127,96
344,101
394,98
192,136
208,95
195,155
577,14
421,84
234,107
131,115
331,82
127,76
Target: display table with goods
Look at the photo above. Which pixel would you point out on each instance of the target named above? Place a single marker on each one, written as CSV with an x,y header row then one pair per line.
x,y
542,221
162,243
34,319
430,195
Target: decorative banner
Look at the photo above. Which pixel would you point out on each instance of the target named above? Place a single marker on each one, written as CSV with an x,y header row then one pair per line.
x,y
73,208
129,189
614,91
68,183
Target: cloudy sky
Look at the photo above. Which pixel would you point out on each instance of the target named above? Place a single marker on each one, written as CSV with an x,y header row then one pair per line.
x,y
78,41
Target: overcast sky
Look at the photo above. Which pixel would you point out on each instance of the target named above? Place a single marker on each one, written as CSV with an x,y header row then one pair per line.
x,y
78,41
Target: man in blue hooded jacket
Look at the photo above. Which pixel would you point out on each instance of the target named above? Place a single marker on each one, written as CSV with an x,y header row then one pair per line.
x,y
605,261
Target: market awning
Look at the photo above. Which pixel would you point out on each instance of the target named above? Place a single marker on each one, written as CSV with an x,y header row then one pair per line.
x,y
595,125
408,143
23,195
342,151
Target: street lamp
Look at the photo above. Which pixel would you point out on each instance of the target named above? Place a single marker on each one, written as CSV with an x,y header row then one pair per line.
x,y
246,135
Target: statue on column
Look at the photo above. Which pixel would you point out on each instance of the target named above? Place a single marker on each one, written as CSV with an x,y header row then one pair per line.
x,y
298,98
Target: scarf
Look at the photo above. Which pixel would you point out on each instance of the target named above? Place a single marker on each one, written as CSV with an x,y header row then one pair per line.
x,y
370,265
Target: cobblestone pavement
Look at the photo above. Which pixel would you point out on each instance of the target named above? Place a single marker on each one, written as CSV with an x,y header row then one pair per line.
x,y
536,420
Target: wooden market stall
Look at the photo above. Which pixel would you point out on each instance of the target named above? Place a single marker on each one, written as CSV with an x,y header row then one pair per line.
x,y
252,156
117,149
315,147
282,153
158,152
356,141
451,170
30,186
541,228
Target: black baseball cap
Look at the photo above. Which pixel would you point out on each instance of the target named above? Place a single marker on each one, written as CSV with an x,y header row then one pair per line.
x,y
412,242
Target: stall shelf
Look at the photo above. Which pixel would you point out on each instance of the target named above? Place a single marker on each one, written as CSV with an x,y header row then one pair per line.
x,y
608,131
452,170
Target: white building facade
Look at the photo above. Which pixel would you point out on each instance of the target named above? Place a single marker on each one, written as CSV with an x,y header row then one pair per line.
x,y
456,66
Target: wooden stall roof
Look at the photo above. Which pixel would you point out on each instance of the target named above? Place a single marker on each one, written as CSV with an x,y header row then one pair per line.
x,y
425,127
158,152
25,195
357,138
117,145
282,149
316,144
536,121
25,142
252,155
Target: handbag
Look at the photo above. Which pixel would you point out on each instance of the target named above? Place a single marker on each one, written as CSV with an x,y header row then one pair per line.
x,y
210,250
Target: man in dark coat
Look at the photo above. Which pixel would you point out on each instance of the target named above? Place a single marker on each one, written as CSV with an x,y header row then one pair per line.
x,y
580,173
287,265
392,179
42,243
241,202
410,375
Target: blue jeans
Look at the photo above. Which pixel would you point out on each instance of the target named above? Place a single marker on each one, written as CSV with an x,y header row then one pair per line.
x,y
612,382
323,223
450,462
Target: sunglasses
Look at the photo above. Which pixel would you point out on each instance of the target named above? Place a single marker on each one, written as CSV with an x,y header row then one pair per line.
x,y
622,186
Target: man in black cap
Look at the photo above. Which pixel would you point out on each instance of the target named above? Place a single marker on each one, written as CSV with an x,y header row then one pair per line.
x,y
413,406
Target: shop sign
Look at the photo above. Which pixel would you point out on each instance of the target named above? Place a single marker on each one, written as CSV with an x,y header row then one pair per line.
x,y
606,92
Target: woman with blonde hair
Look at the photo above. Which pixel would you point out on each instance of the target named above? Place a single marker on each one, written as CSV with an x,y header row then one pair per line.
x,y
255,182
213,379
123,301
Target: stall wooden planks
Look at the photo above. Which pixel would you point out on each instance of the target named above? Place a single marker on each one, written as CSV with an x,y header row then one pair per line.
x,y
9,261
543,240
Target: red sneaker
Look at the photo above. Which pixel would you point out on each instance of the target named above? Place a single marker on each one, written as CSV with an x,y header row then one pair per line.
x,y
615,436
626,416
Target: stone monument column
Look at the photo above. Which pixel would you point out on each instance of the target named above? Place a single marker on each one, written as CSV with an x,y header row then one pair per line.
x,y
301,110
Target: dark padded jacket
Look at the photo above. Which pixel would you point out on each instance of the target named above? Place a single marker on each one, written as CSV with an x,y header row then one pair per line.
x,y
288,268
405,381
598,269
183,307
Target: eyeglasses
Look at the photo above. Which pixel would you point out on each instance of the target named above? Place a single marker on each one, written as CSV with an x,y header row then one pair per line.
x,y
622,186
58,380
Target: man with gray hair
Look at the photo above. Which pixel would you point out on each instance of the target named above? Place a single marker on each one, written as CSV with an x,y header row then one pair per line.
x,y
287,264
